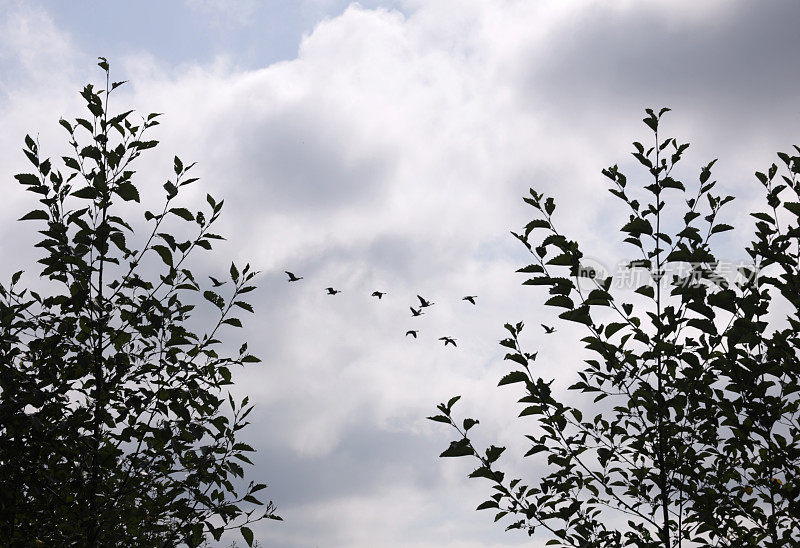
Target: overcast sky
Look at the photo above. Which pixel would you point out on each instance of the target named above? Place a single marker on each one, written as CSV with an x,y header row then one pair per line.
x,y
386,146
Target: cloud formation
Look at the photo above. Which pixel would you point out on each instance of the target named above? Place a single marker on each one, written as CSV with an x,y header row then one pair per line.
x,y
391,154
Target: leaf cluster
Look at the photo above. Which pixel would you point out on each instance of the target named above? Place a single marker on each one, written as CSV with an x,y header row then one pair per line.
x,y
687,427
115,428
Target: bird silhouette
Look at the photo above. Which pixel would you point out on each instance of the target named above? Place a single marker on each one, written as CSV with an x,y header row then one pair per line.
x,y
448,340
378,294
548,329
416,312
332,291
470,298
292,277
216,282
423,303
412,332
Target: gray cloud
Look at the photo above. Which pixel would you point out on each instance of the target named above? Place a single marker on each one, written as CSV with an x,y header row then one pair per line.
x,y
391,154
729,69
292,161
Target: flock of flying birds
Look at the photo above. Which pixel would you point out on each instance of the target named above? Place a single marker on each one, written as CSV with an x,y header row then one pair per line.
x,y
423,303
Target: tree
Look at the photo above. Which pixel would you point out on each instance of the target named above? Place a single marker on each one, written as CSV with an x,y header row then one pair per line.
x,y
685,431
115,429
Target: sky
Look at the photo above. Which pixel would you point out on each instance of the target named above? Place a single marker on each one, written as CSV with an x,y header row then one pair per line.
x,y
386,146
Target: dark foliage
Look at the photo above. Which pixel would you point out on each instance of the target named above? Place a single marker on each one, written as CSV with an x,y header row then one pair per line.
x,y
115,428
687,434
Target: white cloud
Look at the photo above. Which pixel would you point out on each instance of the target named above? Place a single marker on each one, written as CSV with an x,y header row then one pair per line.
x,y
39,83
392,154
31,43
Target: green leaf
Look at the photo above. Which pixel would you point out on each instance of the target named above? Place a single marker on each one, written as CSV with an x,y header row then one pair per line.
x,y
705,173
482,472
493,453
458,448
27,179
579,315
128,192
514,376
243,305
439,418
247,534
178,165
509,343
652,122
487,505
549,206
71,163
560,300
794,207
252,499
536,223
531,269
183,213
531,410
86,193
647,291
535,449
164,253
764,217
215,299
86,124
91,152
171,189
638,226
613,327
517,358
721,228
564,259
704,325
669,182
143,145
121,339
725,299
35,215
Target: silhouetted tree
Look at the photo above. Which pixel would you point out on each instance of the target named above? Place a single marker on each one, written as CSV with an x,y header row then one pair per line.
x,y
687,429
115,428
